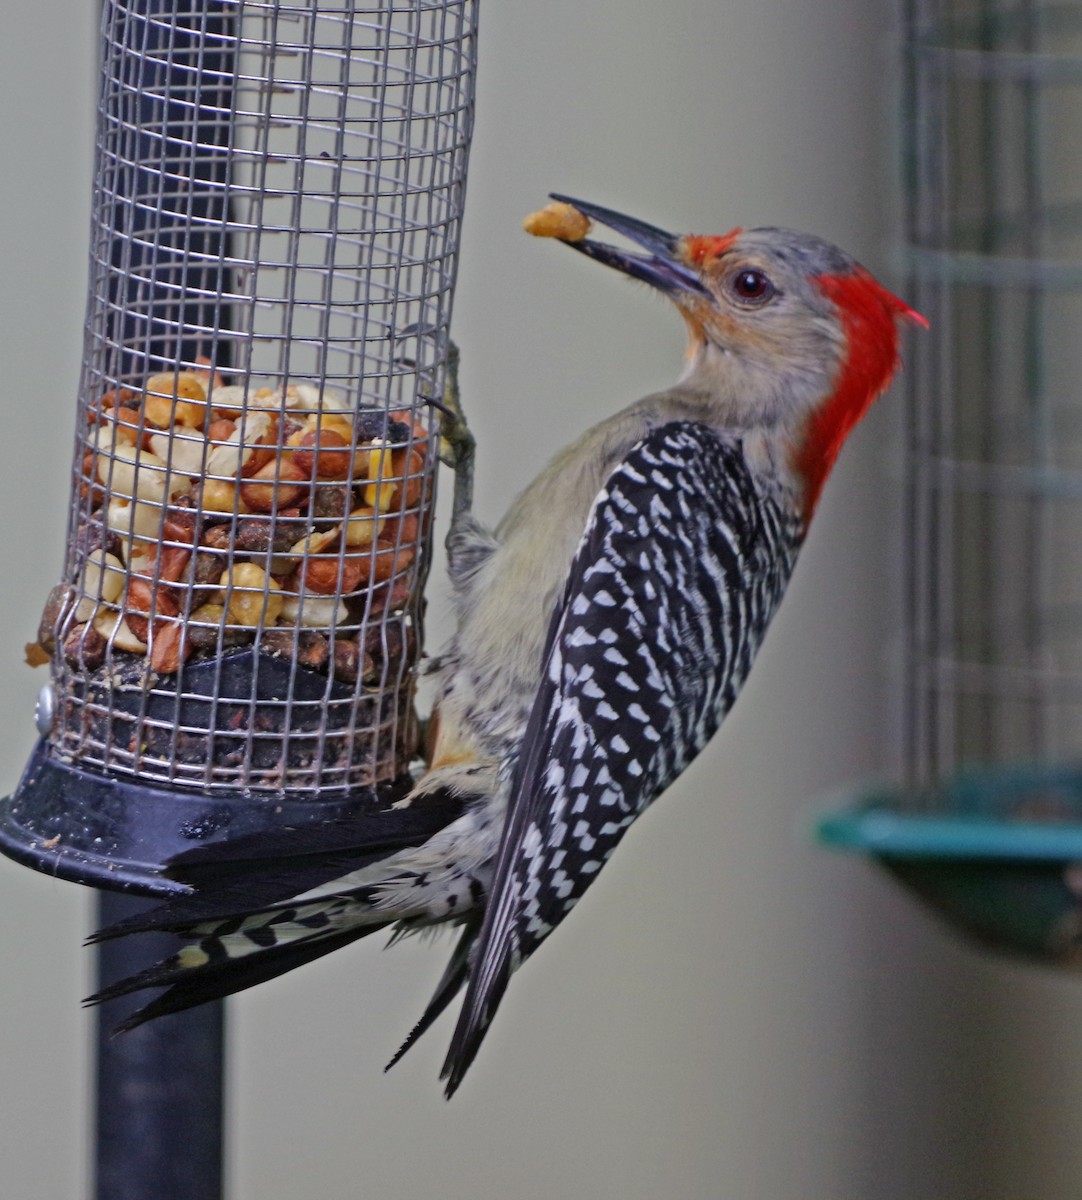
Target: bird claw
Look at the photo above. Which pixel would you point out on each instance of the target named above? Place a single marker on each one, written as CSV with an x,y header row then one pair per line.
x,y
457,443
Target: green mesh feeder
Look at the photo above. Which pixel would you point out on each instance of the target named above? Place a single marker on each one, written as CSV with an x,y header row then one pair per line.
x,y
997,853
992,116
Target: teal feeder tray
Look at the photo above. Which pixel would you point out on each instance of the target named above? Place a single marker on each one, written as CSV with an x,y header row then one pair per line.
x,y
997,854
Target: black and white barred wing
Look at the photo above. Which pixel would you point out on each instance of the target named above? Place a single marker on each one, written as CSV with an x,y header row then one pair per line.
x,y
681,566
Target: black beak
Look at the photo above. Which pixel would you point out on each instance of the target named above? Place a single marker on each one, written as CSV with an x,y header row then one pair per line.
x,y
660,266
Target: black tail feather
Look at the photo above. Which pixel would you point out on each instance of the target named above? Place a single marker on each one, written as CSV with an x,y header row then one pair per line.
x,y
483,996
447,989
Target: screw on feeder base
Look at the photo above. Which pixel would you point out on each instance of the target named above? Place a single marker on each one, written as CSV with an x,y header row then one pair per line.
x,y
45,710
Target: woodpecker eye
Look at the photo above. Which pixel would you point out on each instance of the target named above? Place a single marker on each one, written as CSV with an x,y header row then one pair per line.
x,y
751,287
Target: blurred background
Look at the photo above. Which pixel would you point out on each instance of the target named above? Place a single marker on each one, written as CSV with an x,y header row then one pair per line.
x,y
730,1012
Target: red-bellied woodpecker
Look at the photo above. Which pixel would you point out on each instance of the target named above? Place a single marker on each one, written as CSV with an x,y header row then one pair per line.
x,y
604,630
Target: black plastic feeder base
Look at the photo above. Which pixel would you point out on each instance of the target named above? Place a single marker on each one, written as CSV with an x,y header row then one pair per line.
x,y
113,832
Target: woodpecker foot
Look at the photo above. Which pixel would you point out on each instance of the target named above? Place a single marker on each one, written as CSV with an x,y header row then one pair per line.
x,y
468,542
457,443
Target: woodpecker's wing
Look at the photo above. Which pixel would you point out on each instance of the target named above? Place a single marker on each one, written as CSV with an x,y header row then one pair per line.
x,y
682,564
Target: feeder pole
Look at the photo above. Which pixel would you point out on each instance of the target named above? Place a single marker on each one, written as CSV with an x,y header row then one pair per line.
x,y
159,1090
158,1126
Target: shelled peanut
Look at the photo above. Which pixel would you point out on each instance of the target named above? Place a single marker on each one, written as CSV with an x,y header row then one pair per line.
x,y
214,514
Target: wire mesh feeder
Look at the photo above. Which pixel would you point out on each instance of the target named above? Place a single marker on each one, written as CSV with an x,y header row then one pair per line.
x,y
276,212
994,655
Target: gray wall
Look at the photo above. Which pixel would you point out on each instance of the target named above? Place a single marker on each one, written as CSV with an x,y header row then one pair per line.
x,y
730,1012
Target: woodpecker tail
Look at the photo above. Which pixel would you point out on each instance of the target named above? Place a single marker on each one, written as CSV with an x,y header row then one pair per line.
x,y
244,920
450,984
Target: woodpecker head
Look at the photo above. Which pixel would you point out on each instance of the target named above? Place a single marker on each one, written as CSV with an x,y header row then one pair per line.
x,y
786,333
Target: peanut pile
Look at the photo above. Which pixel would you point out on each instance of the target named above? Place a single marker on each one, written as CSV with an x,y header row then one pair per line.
x,y
215,515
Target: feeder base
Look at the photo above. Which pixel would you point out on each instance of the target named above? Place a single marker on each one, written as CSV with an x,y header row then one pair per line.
x,y
115,833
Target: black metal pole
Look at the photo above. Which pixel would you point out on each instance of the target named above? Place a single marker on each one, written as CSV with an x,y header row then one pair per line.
x,y
159,1087
159,1129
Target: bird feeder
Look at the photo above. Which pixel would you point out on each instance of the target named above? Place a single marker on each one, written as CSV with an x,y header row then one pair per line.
x,y
988,828
231,643
276,209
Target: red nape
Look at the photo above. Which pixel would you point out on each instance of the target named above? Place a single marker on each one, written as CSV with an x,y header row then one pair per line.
x,y
869,316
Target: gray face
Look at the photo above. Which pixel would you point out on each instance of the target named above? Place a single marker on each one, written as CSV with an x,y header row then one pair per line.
x,y
756,280
759,322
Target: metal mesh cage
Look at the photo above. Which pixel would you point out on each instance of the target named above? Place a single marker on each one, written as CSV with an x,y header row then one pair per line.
x,y
277,202
995,515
